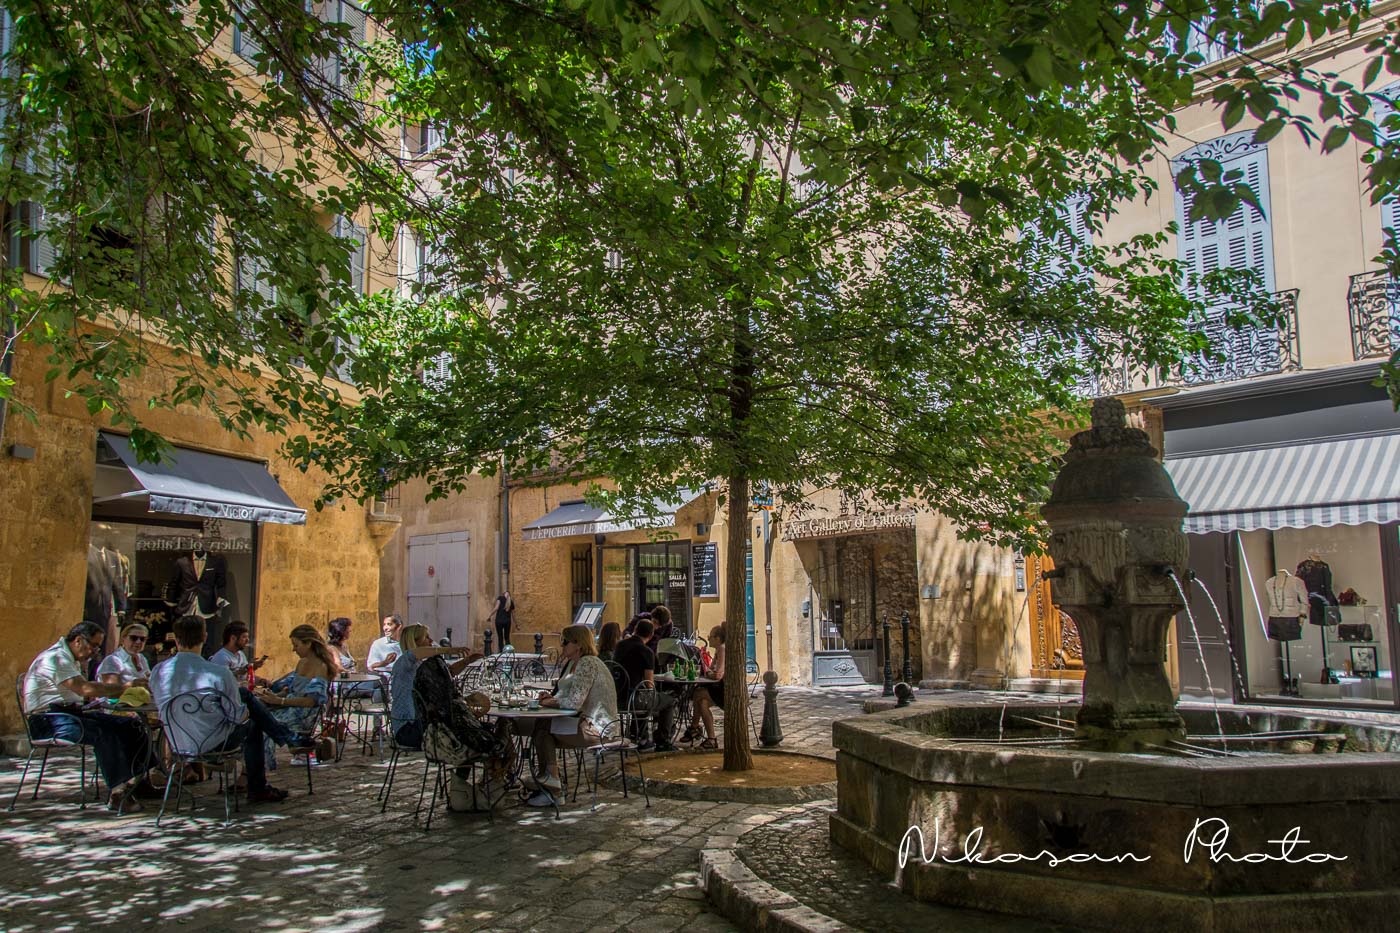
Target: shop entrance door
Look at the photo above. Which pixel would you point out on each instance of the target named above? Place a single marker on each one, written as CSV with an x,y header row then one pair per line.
x,y
663,579
1203,654
1056,650
438,586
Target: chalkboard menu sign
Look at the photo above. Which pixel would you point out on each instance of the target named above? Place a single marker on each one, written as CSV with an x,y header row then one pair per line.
x,y
704,569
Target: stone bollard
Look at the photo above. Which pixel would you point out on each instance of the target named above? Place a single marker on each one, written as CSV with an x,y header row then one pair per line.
x,y
905,694
771,733
486,640
539,643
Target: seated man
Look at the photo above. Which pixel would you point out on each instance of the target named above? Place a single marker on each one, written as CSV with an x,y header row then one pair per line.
x,y
384,651
640,663
232,655
242,720
55,690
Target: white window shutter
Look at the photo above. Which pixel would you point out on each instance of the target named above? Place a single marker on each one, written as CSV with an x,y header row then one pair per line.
x,y
1243,240
1390,207
408,260
245,44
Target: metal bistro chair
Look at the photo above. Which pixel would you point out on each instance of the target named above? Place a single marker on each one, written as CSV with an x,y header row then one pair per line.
x,y
442,766
615,740
351,705
47,746
396,751
186,727
308,730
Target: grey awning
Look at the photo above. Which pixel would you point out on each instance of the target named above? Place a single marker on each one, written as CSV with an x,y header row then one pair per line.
x,y
580,518
206,485
1341,482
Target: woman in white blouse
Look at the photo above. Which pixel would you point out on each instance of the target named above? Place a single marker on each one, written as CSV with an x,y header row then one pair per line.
x,y
127,663
585,686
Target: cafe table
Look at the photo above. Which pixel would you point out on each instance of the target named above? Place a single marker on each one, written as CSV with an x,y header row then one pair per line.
x,y
523,720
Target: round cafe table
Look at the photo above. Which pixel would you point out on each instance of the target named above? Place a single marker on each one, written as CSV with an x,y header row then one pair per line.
x,y
523,733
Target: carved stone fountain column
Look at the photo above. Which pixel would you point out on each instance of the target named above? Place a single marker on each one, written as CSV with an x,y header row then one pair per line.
x,y
1115,521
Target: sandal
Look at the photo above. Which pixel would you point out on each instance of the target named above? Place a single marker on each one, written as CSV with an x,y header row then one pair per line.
x,y
710,744
123,799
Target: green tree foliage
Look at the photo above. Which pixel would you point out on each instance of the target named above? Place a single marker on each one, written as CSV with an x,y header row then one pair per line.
x,y
674,243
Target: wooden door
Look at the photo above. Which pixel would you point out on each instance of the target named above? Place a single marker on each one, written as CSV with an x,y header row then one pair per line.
x,y
1056,650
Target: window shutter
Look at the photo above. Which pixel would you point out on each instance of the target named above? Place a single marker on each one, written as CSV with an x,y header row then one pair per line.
x,y
346,228
245,44
408,260
1244,239
42,254
438,371
1390,207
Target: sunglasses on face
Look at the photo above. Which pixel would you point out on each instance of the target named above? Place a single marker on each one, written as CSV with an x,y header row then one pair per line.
x,y
136,638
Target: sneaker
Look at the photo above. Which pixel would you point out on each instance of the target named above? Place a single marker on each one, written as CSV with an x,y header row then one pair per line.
x,y
665,747
540,798
301,741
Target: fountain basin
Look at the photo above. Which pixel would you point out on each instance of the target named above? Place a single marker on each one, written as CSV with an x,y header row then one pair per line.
x,y
1099,839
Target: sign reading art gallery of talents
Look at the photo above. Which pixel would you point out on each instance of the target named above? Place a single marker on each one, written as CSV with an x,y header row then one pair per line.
x,y
853,523
704,569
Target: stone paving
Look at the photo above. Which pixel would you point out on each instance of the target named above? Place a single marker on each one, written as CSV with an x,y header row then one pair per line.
x,y
331,862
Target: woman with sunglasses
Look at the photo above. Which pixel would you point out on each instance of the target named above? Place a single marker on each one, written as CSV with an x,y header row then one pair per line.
x,y
127,663
585,685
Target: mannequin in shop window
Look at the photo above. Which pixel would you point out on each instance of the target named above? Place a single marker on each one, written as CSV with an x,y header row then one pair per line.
x,y
108,584
1317,577
1288,603
199,583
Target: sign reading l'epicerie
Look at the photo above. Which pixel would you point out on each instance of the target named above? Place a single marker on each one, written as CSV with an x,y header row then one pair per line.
x,y
833,526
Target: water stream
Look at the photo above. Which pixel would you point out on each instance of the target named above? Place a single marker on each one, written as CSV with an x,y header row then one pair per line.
x,y
1229,646
1200,652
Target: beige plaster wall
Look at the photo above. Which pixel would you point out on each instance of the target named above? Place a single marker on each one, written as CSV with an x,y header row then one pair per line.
x,y
475,510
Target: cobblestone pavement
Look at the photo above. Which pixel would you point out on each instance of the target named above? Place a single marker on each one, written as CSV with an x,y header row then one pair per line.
x,y
331,862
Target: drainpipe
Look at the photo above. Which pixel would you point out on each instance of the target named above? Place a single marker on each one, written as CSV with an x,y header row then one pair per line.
x,y
7,360
503,552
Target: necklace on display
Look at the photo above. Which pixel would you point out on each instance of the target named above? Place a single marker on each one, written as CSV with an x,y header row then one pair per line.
x,y
1280,584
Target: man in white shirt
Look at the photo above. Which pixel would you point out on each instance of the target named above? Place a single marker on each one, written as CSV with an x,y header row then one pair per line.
x,y
224,716
55,689
232,655
384,651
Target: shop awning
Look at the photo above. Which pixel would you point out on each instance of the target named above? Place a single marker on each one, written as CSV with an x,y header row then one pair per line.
x,y
1340,482
206,485
580,518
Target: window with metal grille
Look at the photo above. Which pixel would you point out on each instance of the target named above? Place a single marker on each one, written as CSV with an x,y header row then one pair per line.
x,y
580,577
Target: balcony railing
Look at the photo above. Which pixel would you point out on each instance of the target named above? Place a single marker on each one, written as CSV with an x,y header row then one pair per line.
x,y
1244,352
1373,304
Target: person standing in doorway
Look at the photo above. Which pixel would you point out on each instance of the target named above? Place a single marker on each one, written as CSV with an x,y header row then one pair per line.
x,y
504,613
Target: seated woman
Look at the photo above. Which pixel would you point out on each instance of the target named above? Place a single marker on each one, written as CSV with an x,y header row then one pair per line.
x,y
608,638
127,663
708,696
295,698
417,646
587,686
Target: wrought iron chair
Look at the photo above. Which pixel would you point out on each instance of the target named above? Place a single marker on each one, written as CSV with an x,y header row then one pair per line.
x,y
441,767
352,705
396,752
615,740
48,745
186,729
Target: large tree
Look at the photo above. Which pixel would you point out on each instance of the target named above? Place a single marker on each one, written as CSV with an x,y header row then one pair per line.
x,y
755,241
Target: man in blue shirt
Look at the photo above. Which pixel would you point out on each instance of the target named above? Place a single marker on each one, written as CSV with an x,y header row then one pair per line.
x,y
235,718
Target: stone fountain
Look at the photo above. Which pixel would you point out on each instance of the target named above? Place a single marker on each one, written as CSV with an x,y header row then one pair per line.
x,y
1119,815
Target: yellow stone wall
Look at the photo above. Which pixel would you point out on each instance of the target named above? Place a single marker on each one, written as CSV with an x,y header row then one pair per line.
x,y
306,574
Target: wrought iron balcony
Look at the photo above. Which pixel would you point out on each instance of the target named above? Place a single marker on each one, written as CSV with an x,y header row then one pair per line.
x,y
1244,352
1373,304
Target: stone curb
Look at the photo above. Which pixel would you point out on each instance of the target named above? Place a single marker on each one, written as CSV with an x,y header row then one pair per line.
x,y
745,899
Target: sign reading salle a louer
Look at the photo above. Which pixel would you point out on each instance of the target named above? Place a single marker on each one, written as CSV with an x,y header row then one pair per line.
x,y
853,523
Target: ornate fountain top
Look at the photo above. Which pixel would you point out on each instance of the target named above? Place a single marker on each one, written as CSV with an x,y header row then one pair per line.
x,y
1110,434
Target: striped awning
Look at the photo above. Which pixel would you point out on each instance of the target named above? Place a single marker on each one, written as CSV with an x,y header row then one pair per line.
x,y
1344,482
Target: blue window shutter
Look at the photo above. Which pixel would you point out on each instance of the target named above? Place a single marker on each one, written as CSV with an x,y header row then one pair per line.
x,y
1244,239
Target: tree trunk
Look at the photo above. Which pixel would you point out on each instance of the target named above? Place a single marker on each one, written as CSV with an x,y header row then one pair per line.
x,y
737,754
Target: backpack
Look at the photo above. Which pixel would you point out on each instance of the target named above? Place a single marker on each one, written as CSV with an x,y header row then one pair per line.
x,y
439,744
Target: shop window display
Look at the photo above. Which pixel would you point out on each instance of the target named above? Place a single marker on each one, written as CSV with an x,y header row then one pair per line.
x,y
154,573
1314,625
